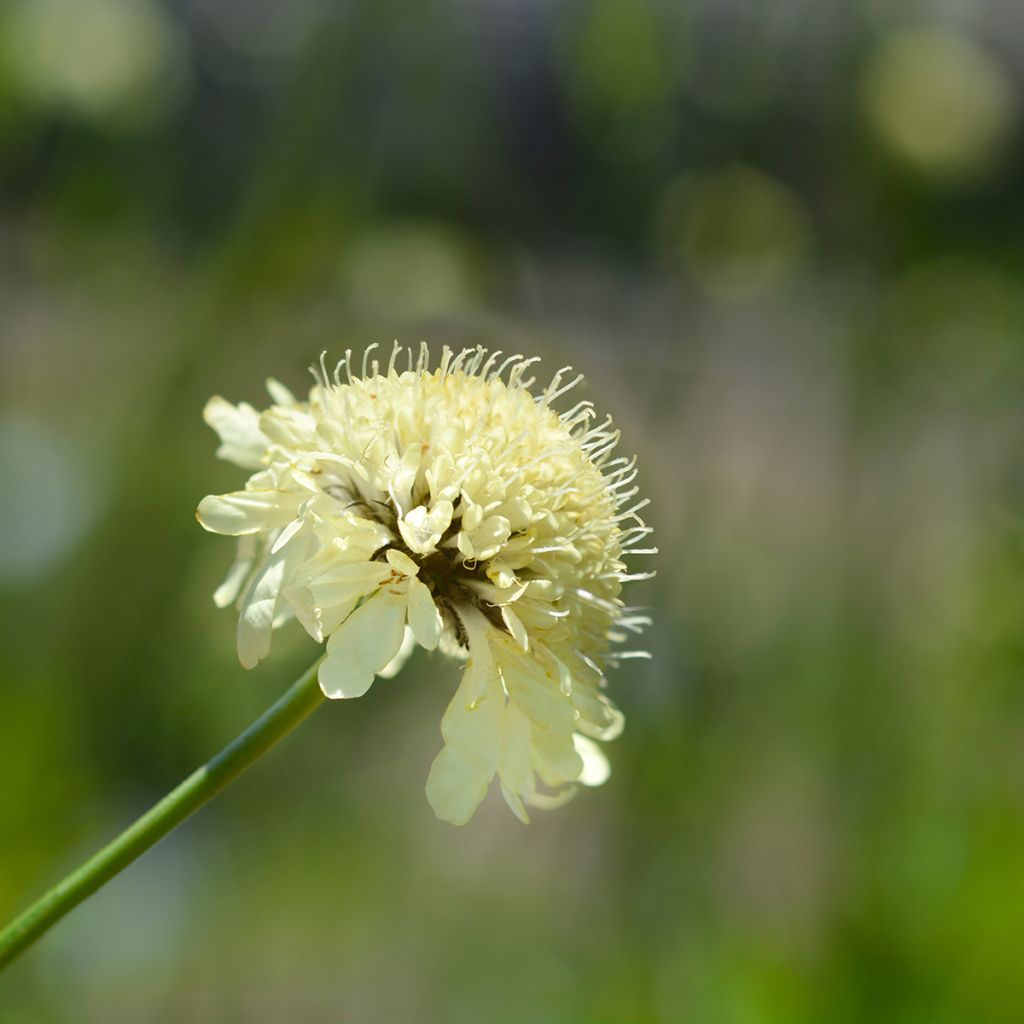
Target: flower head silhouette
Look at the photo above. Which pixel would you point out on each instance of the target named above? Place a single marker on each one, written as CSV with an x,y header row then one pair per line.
x,y
448,508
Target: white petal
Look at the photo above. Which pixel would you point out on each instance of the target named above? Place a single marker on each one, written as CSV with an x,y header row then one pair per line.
x,y
345,583
481,667
549,801
283,614
565,681
293,428
599,717
596,768
397,663
555,757
244,512
441,477
401,483
363,645
515,804
461,773
516,628
401,561
534,690
485,540
279,394
474,726
305,609
465,545
500,574
456,785
287,534
237,574
259,606
424,618
515,749
472,515
322,596
421,528
238,426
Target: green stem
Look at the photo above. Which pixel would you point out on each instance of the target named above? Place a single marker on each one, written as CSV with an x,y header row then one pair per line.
x,y
293,707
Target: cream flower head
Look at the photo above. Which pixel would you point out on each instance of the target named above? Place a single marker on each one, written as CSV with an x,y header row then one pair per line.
x,y
453,509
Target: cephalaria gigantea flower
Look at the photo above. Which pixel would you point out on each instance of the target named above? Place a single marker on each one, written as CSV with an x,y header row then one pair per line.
x,y
454,509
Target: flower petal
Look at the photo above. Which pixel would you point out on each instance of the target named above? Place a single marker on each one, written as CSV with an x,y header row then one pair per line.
x,y
515,804
238,573
456,785
244,512
397,663
256,621
291,427
484,540
305,609
596,768
549,801
279,394
322,598
421,528
363,645
555,757
238,427
461,773
533,689
424,618
481,667
599,717
345,583
515,626
514,764
401,561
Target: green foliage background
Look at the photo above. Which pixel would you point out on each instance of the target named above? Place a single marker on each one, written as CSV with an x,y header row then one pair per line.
x,y
783,241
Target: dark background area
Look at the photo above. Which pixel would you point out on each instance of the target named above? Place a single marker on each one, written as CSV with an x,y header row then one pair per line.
x,y
783,241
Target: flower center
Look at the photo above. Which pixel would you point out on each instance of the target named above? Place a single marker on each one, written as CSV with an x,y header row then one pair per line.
x,y
448,577
445,572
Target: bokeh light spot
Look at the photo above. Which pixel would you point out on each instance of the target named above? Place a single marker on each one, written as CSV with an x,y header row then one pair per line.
x,y
115,61
739,231
621,60
938,100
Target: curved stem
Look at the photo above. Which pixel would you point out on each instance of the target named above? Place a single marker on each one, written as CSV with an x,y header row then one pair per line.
x,y
293,707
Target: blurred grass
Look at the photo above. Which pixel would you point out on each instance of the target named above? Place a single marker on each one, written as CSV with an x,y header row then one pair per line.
x,y
796,284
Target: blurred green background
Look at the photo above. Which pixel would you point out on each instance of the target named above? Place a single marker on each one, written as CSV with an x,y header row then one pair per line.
x,y
783,241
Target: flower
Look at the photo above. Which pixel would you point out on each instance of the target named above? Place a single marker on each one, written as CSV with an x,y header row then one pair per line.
x,y
452,509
